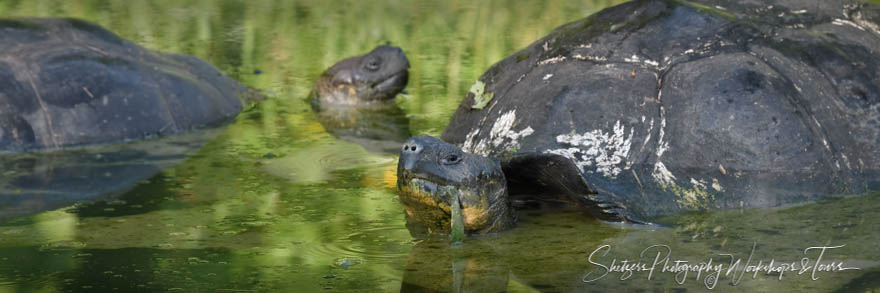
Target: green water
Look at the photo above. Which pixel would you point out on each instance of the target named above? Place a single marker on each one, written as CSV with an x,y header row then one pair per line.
x,y
276,204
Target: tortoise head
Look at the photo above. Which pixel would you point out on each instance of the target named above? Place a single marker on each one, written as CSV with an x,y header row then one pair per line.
x,y
376,76
430,172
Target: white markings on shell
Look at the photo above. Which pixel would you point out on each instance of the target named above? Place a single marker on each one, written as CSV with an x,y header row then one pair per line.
x,y
556,59
468,144
716,185
662,146
501,137
859,19
607,151
698,184
636,59
633,59
590,58
648,138
503,129
838,21
662,175
847,8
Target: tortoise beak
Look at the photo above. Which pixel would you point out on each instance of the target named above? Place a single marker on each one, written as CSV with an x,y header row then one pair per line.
x,y
426,187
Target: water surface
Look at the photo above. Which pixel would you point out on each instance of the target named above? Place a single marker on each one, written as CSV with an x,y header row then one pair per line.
x,y
275,203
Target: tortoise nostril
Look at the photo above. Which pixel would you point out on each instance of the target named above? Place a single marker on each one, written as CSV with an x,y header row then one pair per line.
x,y
407,148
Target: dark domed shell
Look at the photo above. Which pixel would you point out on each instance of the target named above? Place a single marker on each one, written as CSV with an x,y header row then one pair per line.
x,y
669,106
66,82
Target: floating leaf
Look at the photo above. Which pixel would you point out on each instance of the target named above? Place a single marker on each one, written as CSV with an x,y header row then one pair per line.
x,y
481,97
478,88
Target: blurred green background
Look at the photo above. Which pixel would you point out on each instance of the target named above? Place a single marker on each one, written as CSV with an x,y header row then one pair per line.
x,y
450,43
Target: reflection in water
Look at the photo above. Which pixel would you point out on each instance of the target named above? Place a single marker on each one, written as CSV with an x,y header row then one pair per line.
x,y
320,214
380,128
550,251
39,181
318,162
434,267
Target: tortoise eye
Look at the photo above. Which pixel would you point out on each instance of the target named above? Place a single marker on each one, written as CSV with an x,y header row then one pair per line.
x,y
451,159
373,64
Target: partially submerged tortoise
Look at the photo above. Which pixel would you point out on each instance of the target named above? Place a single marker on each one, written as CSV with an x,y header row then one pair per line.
x,y
67,82
77,102
657,107
371,78
354,99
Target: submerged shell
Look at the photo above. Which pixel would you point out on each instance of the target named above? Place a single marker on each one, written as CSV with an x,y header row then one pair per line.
x,y
669,106
66,82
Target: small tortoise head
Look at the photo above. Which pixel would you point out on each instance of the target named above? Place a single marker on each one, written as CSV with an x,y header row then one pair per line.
x,y
376,76
431,171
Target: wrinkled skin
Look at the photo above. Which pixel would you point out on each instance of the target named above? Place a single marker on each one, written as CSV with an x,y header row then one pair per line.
x,y
430,172
375,77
